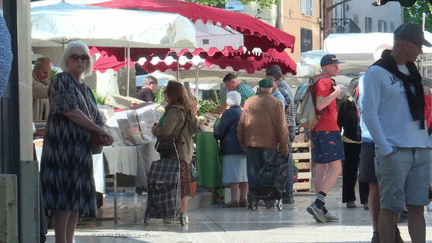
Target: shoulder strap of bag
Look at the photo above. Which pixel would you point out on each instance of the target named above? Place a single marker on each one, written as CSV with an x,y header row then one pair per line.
x,y
315,81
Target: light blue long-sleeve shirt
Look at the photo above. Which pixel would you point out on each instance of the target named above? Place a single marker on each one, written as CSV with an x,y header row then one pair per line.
x,y
365,134
278,95
385,111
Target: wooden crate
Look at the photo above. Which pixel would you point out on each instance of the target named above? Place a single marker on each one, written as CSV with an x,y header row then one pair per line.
x,y
303,161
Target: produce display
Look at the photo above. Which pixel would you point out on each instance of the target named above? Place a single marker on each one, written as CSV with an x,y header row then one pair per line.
x,y
131,127
147,116
207,121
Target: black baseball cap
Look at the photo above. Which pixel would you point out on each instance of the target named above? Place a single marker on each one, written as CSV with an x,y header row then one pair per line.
x,y
329,59
411,32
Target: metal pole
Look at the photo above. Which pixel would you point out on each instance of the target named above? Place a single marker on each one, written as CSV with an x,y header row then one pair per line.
x,y
178,70
115,198
127,68
196,76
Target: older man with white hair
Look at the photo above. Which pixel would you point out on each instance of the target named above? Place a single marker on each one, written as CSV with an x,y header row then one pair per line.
x,y
41,71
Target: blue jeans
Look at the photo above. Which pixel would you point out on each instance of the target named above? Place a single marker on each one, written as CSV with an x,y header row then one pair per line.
x,y
290,180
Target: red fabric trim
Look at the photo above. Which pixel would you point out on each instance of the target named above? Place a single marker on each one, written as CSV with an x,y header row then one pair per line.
x,y
428,104
107,61
114,58
247,61
256,32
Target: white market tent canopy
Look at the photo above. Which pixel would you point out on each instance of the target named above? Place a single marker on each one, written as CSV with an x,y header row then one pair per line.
x,y
212,36
358,50
55,25
58,24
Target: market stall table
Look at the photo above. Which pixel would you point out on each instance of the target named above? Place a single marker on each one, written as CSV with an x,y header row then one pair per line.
x,y
208,160
129,160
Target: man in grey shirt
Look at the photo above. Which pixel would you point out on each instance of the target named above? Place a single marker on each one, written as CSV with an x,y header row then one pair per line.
x,y
41,71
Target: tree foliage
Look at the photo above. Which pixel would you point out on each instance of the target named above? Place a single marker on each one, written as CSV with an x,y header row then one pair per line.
x,y
262,3
414,14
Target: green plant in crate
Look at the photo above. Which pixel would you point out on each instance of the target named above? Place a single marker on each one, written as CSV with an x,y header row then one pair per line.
x,y
160,95
100,100
51,74
206,106
218,103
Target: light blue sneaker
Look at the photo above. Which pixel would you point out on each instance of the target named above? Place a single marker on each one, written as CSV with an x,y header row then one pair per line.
x,y
317,213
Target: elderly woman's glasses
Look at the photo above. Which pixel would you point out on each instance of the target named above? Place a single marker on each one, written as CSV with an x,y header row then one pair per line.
x,y
76,57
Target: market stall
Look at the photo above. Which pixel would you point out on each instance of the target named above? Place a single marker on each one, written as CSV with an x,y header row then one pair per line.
x,y
208,160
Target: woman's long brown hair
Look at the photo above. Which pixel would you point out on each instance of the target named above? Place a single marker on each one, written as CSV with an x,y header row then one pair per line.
x,y
177,94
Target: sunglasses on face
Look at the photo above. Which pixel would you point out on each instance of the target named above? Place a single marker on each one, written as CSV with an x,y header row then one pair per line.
x,y
76,57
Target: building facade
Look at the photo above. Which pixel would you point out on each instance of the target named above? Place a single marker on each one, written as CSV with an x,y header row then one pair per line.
x,y
311,21
358,16
301,18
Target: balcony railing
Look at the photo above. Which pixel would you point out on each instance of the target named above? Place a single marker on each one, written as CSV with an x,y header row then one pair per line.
x,y
344,26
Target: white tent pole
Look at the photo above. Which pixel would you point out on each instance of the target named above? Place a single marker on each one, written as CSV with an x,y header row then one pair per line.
x,y
127,68
196,76
178,70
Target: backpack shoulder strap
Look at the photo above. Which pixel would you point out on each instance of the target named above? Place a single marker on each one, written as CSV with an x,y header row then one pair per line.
x,y
317,78
315,81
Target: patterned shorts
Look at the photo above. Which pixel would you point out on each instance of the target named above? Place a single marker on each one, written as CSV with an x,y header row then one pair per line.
x,y
327,147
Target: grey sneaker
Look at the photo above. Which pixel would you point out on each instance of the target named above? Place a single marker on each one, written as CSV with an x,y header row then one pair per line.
x,y
186,219
317,213
330,218
375,237
429,207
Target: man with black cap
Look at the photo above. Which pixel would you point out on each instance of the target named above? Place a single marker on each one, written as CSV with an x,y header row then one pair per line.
x,y
393,110
262,130
275,72
327,146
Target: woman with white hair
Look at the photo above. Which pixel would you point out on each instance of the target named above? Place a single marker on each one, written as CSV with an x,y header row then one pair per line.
x,y
234,169
66,171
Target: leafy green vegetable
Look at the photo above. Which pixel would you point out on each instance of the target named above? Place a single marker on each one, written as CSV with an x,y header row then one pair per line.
x,y
100,100
160,95
206,106
51,74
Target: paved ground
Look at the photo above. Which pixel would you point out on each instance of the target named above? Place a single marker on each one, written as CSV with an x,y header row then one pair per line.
x,y
214,224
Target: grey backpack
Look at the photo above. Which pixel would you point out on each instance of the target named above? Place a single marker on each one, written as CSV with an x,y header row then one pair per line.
x,y
305,104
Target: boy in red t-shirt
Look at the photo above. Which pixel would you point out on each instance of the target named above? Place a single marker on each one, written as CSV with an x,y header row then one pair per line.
x,y
327,146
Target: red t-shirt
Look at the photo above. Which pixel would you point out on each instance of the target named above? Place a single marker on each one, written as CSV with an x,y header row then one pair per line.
x,y
428,103
328,121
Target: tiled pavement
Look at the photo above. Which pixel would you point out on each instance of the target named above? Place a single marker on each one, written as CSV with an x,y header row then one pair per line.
x,y
215,224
